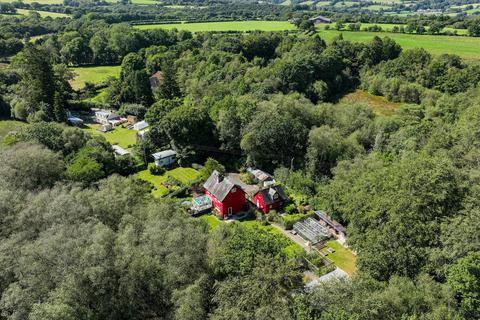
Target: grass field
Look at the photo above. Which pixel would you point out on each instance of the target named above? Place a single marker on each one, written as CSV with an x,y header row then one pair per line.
x,y
43,13
125,138
93,74
7,126
225,26
184,175
466,47
342,257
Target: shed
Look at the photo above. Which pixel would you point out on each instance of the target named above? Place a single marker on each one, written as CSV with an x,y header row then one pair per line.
x,y
140,125
165,158
119,150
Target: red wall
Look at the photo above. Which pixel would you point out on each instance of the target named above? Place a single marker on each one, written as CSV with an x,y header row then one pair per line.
x,y
261,205
234,200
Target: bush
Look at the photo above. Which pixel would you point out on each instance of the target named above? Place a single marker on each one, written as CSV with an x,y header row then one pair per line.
x,y
155,170
288,220
248,178
273,216
291,209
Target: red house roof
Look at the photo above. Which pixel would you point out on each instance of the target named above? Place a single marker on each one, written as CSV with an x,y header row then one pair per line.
x,y
219,186
272,195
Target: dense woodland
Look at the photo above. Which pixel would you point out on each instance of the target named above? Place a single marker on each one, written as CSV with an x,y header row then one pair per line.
x,y
82,238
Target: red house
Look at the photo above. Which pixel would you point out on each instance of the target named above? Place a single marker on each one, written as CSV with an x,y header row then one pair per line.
x,y
270,198
227,197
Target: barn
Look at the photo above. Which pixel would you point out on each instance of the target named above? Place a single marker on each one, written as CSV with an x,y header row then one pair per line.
x,y
227,197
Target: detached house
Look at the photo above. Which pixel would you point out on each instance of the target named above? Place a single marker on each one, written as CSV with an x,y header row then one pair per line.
x,y
271,198
227,197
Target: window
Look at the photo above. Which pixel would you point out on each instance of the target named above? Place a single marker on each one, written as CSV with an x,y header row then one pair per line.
x,y
234,189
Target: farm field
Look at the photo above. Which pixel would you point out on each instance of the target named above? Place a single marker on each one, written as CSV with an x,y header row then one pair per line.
x,y
224,26
125,138
7,126
184,175
466,47
342,257
43,14
95,74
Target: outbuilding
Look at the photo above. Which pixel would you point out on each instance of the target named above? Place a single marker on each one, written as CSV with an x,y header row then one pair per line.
x,y
320,19
165,158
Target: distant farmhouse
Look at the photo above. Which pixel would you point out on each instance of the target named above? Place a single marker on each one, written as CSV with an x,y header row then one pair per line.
x,y
227,197
165,158
108,119
320,19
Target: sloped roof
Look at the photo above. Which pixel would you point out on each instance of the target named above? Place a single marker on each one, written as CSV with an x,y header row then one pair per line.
x,y
156,75
323,18
268,194
219,186
163,154
332,223
140,125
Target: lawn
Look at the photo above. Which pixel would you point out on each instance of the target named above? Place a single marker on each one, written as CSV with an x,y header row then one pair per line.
x,y
7,126
184,175
466,47
225,26
93,74
43,14
380,105
342,257
124,137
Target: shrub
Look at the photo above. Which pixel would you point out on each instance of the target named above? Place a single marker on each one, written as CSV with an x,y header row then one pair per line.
x,y
291,209
155,170
248,178
288,220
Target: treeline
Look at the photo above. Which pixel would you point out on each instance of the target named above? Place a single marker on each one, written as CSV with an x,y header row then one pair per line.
x,y
416,76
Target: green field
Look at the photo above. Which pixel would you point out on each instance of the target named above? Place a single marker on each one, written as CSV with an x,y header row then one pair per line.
x,y
225,26
7,126
93,74
43,14
125,138
342,257
466,47
184,175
